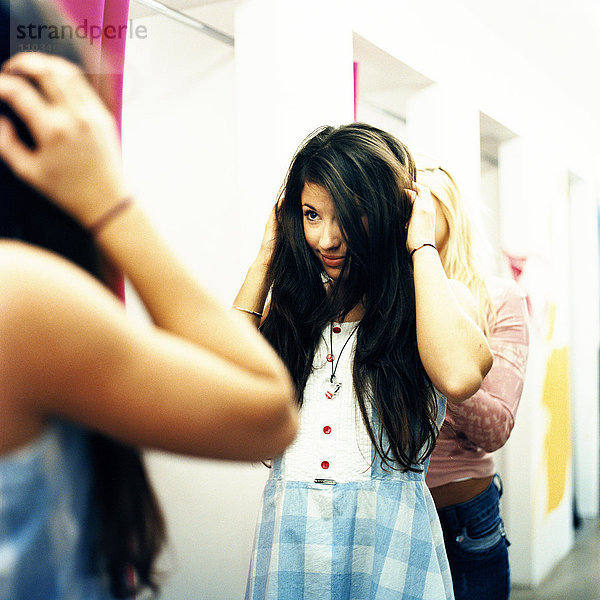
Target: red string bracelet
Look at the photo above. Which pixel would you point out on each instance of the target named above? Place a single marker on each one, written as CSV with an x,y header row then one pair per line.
x,y
110,214
422,246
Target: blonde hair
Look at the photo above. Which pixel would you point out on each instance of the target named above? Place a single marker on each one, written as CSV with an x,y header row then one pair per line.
x,y
458,256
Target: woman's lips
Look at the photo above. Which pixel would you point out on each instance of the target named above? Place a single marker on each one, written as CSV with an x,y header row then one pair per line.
x,y
332,261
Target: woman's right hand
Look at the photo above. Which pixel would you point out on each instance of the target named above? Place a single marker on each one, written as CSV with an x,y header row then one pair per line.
x,y
421,227
267,245
253,294
76,161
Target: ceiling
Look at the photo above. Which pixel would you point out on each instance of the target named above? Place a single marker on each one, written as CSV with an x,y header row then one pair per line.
x,y
136,10
561,38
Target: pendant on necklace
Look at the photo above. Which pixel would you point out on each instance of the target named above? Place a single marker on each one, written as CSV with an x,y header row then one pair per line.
x,y
333,389
329,357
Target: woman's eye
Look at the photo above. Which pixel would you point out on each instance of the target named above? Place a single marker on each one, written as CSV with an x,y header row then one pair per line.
x,y
311,215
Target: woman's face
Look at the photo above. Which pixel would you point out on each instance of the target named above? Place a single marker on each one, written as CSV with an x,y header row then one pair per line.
x,y
322,230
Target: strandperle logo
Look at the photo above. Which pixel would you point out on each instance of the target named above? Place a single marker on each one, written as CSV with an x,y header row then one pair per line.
x,y
36,32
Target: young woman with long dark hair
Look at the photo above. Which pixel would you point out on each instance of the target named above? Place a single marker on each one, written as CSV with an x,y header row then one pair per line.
x,y
81,385
375,336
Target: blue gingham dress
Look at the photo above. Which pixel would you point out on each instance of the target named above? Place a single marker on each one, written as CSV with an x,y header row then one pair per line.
x,y
333,523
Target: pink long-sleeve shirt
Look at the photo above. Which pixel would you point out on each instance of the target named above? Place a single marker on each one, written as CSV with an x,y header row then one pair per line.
x,y
473,430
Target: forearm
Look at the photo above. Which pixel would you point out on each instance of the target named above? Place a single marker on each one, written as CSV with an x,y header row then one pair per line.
x,y
253,293
175,300
485,420
453,349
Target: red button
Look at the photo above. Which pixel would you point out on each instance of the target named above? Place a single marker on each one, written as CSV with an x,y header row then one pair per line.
x,y
329,357
326,430
337,329
324,465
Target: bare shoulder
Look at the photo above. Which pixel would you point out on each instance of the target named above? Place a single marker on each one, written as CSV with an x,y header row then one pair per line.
x,y
52,314
23,264
40,287
47,310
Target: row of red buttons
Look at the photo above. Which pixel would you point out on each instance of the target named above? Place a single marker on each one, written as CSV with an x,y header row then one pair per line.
x,y
327,429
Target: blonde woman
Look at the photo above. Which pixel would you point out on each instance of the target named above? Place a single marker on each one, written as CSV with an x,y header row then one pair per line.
x,y
461,476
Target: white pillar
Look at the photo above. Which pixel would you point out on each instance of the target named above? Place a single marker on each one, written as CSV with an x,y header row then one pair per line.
x,y
444,122
584,344
294,73
518,465
537,459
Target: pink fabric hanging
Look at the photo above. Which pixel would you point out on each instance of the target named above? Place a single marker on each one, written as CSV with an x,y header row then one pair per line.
x,y
104,16
107,19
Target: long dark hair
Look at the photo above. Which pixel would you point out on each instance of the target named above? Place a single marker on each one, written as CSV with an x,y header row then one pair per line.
x,y
130,529
366,171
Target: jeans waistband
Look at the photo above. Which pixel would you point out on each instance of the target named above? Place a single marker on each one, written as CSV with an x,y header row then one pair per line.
x,y
481,502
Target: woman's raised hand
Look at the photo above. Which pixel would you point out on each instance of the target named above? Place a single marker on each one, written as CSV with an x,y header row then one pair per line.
x,y
267,245
253,293
421,227
76,161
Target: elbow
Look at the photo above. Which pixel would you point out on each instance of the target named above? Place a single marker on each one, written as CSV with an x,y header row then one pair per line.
x,y
498,436
489,441
462,386
492,445
286,432
280,423
486,363
462,383
466,384
286,425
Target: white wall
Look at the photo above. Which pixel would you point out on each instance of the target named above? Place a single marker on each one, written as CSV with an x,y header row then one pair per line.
x,y
584,292
207,135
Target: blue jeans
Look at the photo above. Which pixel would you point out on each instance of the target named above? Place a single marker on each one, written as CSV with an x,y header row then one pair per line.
x,y
477,546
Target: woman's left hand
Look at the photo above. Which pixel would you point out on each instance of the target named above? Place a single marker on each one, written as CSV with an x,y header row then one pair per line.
x,y
76,161
421,227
